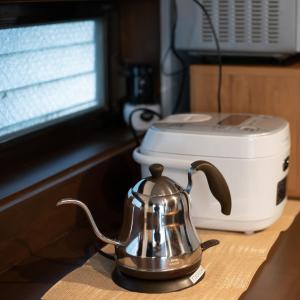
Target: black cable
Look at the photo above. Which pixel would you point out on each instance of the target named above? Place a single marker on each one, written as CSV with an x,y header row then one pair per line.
x,y
183,69
145,110
218,52
180,93
106,255
172,49
208,244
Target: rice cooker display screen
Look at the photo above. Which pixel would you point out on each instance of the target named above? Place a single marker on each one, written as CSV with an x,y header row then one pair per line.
x,y
234,120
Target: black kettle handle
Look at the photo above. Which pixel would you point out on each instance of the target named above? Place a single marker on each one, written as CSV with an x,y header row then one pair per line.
x,y
216,182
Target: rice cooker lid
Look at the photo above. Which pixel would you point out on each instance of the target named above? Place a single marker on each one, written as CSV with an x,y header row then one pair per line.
x,y
218,135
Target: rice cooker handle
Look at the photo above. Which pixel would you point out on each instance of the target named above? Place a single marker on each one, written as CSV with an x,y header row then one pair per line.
x,y
216,182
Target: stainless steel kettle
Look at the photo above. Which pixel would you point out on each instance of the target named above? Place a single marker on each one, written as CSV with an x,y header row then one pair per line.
x,y
157,239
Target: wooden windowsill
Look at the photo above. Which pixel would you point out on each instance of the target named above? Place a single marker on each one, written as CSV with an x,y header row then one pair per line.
x,y
29,175
96,168
40,272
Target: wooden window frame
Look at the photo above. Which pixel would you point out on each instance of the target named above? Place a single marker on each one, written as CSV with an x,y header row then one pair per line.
x,y
56,138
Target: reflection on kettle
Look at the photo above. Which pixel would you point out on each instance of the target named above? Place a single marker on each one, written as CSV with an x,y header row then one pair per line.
x,y
157,239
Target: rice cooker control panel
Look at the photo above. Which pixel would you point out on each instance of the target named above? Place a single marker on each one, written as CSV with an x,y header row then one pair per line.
x,y
214,123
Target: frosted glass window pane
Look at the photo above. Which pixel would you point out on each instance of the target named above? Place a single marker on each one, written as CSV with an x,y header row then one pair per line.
x,y
49,72
51,100
23,69
46,36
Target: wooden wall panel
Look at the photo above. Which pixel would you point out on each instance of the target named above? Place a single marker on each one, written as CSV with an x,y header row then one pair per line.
x,y
249,89
140,35
139,31
36,222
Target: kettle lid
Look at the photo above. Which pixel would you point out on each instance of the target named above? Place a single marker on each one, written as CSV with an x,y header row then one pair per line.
x,y
156,185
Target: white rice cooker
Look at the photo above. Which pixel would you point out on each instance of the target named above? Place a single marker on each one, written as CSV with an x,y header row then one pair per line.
x,y
251,151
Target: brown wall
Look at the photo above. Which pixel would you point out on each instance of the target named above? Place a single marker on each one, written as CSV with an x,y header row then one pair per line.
x,y
30,220
140,35
36,222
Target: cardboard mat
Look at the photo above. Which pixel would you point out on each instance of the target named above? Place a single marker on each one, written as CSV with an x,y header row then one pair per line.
x,y
230,266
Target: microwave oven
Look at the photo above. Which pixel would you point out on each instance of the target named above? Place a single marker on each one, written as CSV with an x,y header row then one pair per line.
x,y
259,28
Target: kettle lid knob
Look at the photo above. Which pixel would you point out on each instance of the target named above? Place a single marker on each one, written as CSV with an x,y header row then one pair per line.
x,y
156,170
156,185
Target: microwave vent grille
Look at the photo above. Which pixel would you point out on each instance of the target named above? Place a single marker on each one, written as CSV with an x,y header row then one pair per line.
x,y
240,21
206,30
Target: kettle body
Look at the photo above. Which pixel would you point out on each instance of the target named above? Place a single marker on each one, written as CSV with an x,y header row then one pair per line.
x,y
158,240
162,242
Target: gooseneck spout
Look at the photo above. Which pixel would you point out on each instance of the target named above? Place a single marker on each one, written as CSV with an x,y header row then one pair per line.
x,y
216,182
92,222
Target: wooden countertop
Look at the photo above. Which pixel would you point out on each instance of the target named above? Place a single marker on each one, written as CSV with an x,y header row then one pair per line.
x,y
276,278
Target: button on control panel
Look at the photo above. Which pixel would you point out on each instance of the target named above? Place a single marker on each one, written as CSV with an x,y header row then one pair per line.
x,y
250,128
281,190
286,163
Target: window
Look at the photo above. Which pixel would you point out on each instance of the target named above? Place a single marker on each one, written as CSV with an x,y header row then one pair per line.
x,y
48,73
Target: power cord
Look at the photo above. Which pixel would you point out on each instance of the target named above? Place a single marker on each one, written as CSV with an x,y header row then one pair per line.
x,y
145,117
172,50
182,71
218,52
